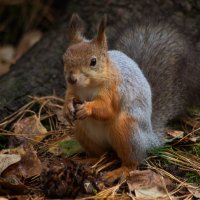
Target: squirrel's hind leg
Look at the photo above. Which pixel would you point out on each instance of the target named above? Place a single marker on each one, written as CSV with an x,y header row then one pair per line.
x,y
121,136
121,139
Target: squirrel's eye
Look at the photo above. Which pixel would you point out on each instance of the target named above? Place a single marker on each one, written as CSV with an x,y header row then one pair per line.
x,y
93,62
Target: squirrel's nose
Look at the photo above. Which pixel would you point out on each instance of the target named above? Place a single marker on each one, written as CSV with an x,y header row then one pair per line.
x,y
72,79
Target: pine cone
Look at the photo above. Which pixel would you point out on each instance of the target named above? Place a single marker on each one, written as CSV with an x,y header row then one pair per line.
x,y
62,178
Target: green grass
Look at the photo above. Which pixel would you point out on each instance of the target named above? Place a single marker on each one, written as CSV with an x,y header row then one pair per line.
x,y
195,149
192,177
159,150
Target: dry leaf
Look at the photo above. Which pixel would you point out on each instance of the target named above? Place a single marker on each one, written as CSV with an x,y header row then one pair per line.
x,y
29,165
17,150
194,139
147,183
32,128
54,147
145,179
175,134
60,115
195,192
150,193
7,160
55,150
12,185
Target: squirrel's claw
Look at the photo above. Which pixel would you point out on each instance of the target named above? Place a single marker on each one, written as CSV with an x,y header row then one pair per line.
x,y
69,112
82,111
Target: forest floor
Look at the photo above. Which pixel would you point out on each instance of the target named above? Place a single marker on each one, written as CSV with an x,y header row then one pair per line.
x,y
59,168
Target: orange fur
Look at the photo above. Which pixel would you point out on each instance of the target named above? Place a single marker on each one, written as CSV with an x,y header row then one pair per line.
x,y
114,175
120,136
106,104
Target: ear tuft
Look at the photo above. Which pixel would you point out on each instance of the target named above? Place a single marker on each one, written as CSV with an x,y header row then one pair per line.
x,y
102,25
101,35
76,29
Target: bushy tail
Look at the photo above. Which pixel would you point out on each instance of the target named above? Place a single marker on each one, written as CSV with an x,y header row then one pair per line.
x,y
167,60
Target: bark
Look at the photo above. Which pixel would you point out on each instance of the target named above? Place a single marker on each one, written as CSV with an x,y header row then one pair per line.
x,y
40,71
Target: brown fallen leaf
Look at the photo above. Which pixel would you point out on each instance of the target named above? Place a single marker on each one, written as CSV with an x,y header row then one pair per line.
x,y
17,150
12,185
60,115
151,193
28,166
175,133
7,160
144,179
195,192
31,129
147,184
194,139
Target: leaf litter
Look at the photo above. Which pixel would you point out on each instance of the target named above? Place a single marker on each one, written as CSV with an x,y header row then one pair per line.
x,y
43,159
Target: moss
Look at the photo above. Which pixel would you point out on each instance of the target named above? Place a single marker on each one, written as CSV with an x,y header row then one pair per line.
x,y
196,149
192,177
159,153
70,147
159,150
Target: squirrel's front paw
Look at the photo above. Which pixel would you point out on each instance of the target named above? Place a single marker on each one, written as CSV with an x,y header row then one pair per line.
x,y
83,110
69,111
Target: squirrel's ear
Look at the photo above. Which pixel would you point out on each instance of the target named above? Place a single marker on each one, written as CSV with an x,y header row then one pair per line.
x,y
76,29
101,35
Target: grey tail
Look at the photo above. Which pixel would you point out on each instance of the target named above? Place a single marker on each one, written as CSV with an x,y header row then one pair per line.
x,y
168,61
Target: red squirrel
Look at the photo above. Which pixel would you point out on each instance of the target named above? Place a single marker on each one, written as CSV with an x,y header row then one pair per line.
x,y
116,86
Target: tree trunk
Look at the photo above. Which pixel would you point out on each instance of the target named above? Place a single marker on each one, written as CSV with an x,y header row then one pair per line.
x,y
39,72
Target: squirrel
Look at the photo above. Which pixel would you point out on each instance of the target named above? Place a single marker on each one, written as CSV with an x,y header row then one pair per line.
x,y
122,99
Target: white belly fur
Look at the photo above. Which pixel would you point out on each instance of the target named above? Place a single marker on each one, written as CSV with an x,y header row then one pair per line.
x,y
94,129
97,131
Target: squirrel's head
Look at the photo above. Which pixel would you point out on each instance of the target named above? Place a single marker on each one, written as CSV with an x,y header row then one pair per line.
x,y
85,61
